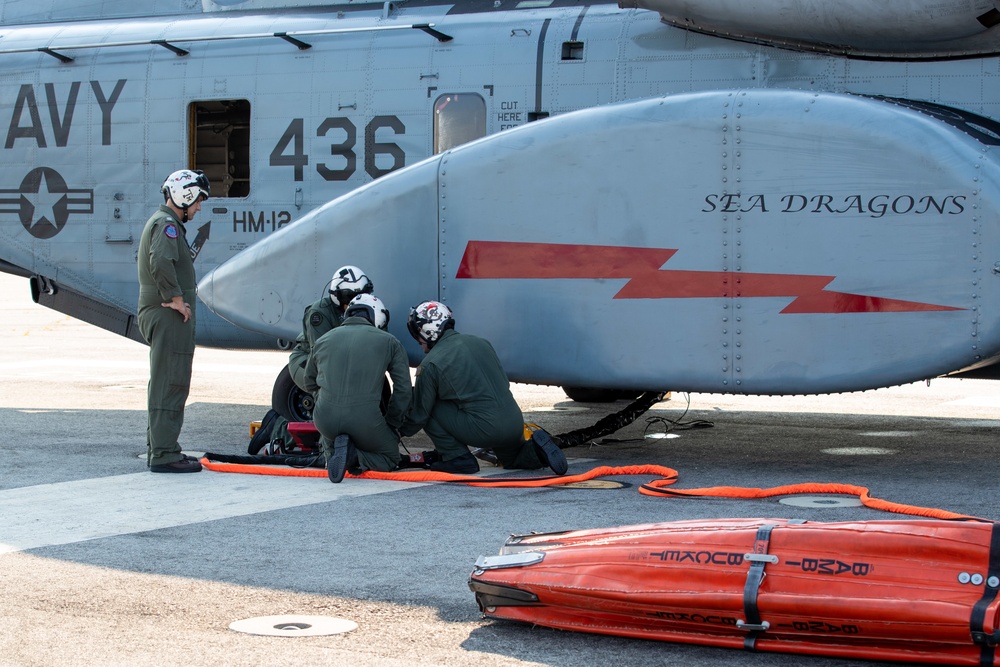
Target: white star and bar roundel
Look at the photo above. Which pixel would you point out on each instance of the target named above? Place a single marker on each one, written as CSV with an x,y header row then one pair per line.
x,y
44,202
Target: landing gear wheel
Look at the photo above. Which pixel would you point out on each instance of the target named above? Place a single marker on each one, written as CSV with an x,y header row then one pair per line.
x,y
289,401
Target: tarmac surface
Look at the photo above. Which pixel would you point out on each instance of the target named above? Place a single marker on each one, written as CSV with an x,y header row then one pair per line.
x,y
104,563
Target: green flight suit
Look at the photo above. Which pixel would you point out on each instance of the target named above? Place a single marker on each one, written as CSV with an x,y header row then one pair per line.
x,y
166,270
318,318
345,373
462,399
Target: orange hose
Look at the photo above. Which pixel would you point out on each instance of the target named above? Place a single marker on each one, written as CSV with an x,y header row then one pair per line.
x,y
668,476
654,488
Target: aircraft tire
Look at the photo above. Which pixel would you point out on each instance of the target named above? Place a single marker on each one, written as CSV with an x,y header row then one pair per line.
x,y
296,405
289,401
596,395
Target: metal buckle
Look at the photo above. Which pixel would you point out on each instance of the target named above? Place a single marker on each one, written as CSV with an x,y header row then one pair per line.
x,y
760,558
753,627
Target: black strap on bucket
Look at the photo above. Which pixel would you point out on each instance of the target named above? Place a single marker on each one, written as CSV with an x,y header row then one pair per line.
x,y
758,559
987,641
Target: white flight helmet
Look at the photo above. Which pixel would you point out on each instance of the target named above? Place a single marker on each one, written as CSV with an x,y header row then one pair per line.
x,y
369,307
184,187
428,320
347,283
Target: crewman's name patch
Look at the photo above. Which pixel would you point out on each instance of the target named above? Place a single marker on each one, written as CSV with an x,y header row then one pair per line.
x,y
170,231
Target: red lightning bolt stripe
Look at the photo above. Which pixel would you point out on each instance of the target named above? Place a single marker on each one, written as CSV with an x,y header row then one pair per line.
x,y
499,260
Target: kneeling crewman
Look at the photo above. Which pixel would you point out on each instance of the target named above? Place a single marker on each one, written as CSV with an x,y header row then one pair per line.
x,y
462,399
324,315
345,373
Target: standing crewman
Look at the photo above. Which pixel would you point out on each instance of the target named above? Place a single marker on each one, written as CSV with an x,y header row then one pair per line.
x,y
167,316
346,373
325,314
462,399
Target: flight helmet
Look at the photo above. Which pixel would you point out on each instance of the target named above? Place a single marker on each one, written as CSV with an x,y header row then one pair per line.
x,y
428,320
347,283
184,187
369,307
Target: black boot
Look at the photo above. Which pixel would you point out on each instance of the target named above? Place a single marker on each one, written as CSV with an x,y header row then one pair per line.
x,y
466,464
336,462
548,452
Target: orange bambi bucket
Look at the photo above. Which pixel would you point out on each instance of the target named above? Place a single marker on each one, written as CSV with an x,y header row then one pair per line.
x,y
916,591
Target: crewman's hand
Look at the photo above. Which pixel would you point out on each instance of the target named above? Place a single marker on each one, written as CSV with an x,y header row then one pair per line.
x,y
182,307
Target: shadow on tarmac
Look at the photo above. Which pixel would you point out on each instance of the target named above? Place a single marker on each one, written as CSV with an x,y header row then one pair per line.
x,y
416,547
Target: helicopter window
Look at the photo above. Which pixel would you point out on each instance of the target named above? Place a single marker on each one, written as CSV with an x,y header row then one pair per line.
x,y
458,118
220,145
572,51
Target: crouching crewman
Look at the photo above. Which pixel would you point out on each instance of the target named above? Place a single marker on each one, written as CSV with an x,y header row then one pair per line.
x,y
462,399
345,373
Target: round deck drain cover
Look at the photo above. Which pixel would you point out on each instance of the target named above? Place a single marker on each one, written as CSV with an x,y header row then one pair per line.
x,y
293,626
593,484
821,502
